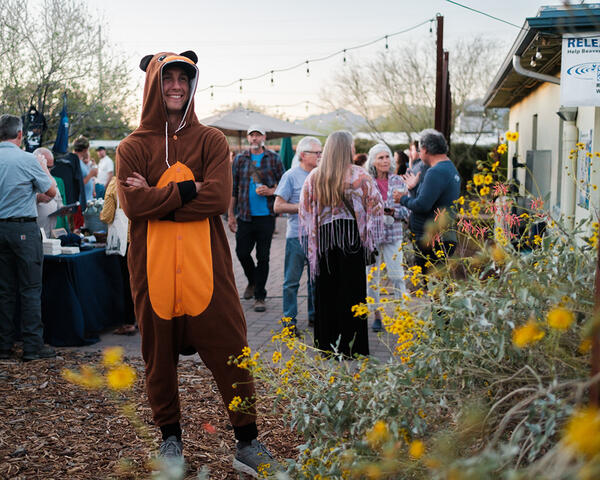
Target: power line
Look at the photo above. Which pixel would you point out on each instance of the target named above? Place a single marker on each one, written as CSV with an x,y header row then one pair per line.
x,y
307,63
484,13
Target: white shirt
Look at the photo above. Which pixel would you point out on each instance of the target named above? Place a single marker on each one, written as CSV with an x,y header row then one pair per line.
x,y
105,166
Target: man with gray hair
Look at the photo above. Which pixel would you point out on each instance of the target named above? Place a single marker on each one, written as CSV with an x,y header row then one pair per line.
x,y
287,197
439,189
22,175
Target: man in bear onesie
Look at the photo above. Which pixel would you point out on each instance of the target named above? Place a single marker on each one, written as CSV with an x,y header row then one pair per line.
x,y
174,182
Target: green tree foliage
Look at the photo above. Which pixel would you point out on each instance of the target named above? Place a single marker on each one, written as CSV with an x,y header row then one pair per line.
x,y
53,47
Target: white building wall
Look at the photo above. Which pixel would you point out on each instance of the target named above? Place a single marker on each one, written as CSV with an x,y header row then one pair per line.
x,y
545,102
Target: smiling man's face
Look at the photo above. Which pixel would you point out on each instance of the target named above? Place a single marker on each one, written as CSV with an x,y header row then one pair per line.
x,y
176,88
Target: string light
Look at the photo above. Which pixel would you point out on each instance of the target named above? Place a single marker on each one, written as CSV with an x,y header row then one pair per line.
x,y
431,26
538,54
386,43
240,85
320,59
212,93
272,81
533,63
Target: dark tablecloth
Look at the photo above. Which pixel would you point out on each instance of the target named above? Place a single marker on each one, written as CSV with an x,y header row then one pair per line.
x,y
83,294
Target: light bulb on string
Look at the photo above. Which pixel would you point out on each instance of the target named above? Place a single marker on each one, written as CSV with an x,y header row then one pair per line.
x,y
344,56
430,26
212,92
307,69
532,63
272,81
386,43
240,85
538,54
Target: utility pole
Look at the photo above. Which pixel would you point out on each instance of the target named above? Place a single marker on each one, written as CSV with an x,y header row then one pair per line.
x,y
443,102
439,66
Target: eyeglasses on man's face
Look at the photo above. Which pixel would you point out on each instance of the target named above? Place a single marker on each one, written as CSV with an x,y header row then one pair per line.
x,y
317,153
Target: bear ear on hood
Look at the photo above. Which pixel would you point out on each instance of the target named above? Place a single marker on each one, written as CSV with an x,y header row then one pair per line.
x,y
191,55
145,61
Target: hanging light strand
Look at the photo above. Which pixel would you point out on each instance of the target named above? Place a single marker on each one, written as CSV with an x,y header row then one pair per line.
x,y
319,59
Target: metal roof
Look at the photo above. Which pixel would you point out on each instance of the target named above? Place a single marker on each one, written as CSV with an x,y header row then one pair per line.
x,y
541,33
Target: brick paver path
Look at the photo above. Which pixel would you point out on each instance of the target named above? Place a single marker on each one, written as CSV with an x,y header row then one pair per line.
x,y
260,325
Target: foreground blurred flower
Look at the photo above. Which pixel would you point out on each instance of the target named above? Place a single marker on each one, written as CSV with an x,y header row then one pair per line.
x,y
121,377
527,334
560,318
112,356
581,432
378,434
416,449
87,377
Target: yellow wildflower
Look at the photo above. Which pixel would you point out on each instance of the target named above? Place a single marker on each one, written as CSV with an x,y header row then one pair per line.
x,y
495,166
331,379
527,334
246,351
276,356
488,179
235,403
560,318
478,179
585,346
382,266
370,300
112,356
581,432
502,148
121,377
484,191
416,449
512,136
378,434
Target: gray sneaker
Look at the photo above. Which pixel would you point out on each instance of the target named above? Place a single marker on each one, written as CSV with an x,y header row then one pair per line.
x,y
255,460
170,459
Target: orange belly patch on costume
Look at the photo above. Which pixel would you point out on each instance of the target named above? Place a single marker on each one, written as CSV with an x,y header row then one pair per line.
x,y
179,261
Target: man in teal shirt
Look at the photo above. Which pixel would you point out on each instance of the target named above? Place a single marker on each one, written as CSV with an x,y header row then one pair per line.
x,y
256,173
22,176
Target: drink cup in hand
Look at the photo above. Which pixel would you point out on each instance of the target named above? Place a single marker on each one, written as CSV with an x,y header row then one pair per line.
x,y
258,185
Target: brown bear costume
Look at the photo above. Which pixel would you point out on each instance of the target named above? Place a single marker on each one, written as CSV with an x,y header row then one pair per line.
x,y
182,279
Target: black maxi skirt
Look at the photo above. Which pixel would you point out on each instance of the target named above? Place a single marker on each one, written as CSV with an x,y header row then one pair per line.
x,y
340,284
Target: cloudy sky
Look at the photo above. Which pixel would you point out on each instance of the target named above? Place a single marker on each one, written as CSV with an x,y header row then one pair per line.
x,y
235,38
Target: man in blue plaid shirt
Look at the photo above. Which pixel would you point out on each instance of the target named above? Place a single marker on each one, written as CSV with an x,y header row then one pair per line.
x,y
256,173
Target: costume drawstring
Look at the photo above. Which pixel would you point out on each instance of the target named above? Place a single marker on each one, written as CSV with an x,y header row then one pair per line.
x,y
167,144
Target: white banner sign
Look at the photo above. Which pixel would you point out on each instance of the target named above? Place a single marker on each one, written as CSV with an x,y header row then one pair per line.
x,y
580,70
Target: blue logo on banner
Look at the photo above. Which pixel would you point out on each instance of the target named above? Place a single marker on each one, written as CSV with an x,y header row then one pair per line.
x,y
587,71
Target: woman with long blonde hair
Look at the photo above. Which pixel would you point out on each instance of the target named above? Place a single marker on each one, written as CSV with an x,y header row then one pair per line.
x,y
341,223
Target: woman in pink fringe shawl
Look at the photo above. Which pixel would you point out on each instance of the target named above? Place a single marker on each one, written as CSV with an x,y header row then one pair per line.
x,y
341,224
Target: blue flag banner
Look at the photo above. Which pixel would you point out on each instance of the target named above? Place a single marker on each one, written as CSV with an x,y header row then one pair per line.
x,y
61,145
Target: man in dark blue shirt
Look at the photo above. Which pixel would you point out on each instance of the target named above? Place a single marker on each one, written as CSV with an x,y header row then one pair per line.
x,y
438,190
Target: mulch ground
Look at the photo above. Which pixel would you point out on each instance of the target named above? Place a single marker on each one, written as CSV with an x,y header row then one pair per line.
x,y
51,429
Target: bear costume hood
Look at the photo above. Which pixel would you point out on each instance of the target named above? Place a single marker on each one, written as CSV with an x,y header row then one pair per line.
x,y
154,111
